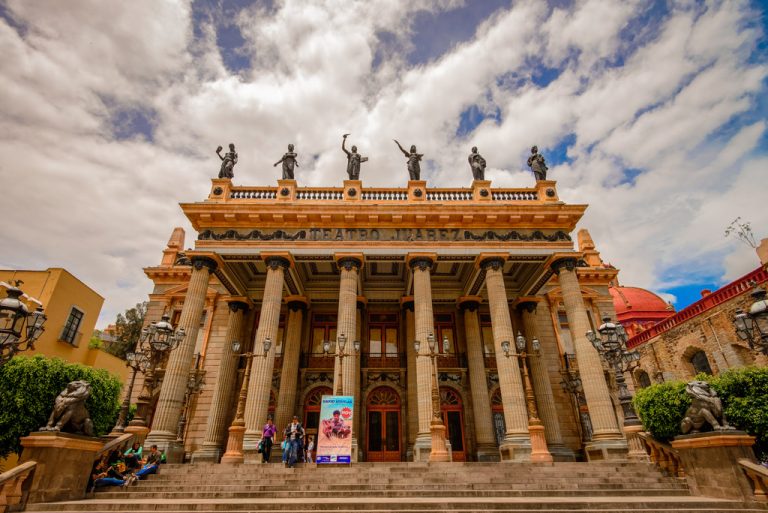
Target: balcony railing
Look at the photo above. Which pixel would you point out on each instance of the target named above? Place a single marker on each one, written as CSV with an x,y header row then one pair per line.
x,y
322,194
385,194
317,361
380,361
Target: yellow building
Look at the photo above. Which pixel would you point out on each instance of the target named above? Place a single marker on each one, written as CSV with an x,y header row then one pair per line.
x,y
72,308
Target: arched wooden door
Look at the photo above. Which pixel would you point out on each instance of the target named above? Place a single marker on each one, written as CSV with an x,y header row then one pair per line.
x,y
453,419
312,403
383,426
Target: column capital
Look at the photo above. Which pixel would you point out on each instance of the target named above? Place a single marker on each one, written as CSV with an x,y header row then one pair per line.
x,y
470,303
527,304
406,303
277,260
424,261
495,262
198,262
296,303
348,261
237,305
566,262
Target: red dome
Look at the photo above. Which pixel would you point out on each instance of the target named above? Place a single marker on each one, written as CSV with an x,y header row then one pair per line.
x,y
636,300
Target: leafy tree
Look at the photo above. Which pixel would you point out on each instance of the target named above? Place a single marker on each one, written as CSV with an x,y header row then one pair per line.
x,y
127,330
28,389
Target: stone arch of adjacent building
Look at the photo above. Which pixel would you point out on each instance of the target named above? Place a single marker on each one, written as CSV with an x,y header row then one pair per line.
x,y
642,378
695,360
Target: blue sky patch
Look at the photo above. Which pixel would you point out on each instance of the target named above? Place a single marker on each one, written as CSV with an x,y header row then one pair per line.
x,y
133,122
559,153
689,294
473,116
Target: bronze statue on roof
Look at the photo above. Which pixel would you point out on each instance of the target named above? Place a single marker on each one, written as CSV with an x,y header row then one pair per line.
x,y
354,159
289,161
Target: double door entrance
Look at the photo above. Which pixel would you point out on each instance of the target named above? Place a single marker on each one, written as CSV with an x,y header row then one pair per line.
x,y
383,426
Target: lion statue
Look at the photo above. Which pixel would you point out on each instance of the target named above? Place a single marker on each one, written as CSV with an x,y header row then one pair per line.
x,y
705,408
69,413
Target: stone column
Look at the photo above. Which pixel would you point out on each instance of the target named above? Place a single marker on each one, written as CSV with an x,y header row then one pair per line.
x,y
346,324
516,445
261,371
545,401
165,422
215,430
362,301
286,397
607,440
481,402
424,326
406,303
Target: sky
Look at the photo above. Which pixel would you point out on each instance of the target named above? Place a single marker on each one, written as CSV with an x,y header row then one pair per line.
x,y
654,113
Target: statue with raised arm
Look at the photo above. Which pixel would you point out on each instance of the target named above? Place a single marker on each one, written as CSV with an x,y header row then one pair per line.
x,y
354,159
414,168
477,164
228,161
289,161
537,164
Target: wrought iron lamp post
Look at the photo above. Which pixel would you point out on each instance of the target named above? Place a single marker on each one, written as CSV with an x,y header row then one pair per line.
x,y
234,452
156,341
539,451
752,326
439,450
137,361
194,386
327,352
611,343
19,328
571,384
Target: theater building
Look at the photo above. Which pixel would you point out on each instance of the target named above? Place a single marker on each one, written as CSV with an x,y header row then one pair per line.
x,y
385,267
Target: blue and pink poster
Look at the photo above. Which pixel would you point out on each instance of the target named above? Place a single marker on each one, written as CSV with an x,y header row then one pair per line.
x,y
334,435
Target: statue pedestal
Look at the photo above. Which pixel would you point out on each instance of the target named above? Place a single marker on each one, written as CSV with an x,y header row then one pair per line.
x,y
711,464
64,463
417,190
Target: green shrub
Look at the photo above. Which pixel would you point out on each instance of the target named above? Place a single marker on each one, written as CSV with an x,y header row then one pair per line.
x,y
661,408
744,393
29,386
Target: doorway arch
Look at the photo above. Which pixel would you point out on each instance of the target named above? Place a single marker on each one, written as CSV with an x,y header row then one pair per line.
x,y
452,409
312,403
383,424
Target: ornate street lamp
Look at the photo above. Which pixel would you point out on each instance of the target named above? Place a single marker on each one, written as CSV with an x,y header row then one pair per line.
x,y
234,452
156,341
19,328
439,450
194,386
611,343
539,451
327,352
752,326
571,383
137,361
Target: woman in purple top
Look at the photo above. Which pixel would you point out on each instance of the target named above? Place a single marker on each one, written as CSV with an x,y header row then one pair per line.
x,y
267,436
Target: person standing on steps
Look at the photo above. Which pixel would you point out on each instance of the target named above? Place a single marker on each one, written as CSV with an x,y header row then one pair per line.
x,y
267,437
295,434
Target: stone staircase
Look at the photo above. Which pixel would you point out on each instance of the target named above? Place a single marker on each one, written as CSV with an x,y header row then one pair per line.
x,y
405,488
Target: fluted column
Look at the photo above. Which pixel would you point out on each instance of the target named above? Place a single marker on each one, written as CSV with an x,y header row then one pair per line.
x,y
286,397
516,445
166,419
424,325
545,401
215,430
607,440
361,303
410,354
257,402
481,401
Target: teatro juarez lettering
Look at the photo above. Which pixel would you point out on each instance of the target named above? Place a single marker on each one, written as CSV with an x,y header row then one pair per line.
x,y
387,234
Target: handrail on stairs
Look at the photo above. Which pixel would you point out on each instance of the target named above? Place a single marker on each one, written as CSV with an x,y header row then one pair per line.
x,y
664,456
758,476
14,486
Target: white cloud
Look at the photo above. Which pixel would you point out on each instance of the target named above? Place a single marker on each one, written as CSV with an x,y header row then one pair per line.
x,y
104,208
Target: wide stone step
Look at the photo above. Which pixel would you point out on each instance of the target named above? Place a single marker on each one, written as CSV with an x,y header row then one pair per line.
x,y
409,505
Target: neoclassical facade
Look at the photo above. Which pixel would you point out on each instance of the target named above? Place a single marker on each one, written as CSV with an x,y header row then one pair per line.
x,y
474,266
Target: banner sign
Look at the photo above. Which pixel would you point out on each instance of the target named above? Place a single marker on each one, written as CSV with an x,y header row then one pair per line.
x,y
334,435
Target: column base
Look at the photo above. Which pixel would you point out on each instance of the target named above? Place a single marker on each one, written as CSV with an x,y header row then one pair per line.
x,y
539,451
439,451
234,452
560,452
250,447
163,439
175,452
487,452
207,454
422,447
140,432
635,443
606,450
515,448
356,456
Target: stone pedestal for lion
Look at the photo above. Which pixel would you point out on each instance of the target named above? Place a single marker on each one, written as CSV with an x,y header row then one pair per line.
x,y
64,462
711,463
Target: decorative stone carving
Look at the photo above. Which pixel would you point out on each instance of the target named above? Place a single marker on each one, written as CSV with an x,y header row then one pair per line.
x,y
198,262
383,377
423,263
528,306
567,263
450,377
349,263
69,414
492,263
228,161
252,235
275,262
536,235
235,306
317,377
706,408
